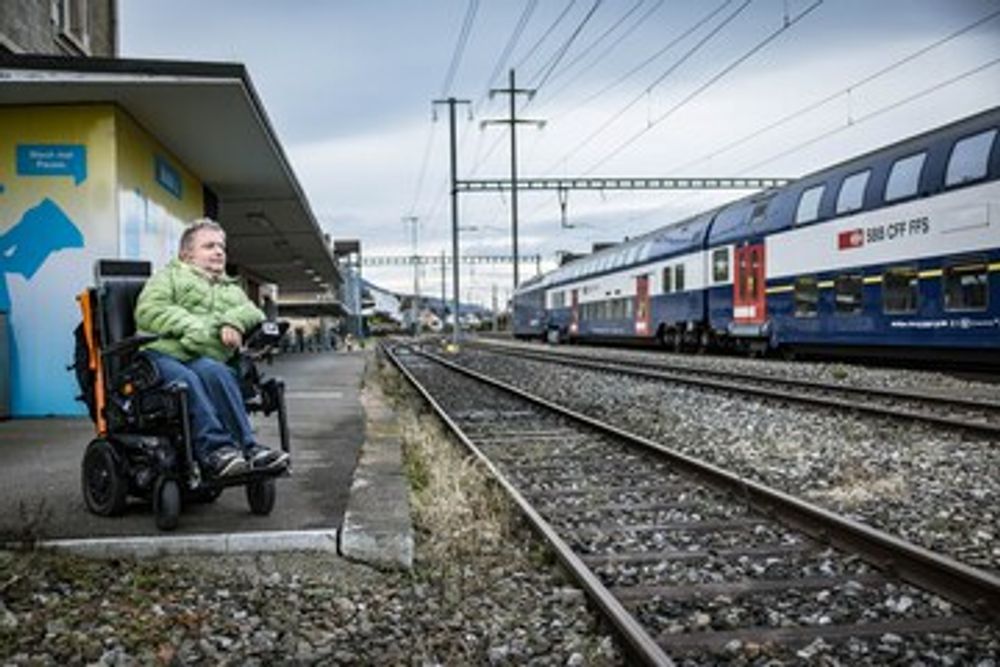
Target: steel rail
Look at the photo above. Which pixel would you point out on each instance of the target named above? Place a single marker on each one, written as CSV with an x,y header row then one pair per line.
x,y
976,590
638,641
675,374
886,392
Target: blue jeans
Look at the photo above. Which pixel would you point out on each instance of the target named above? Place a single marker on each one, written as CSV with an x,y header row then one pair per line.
x,y
215,404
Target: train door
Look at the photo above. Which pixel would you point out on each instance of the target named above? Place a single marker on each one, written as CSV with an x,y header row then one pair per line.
x,y
642,305
749,294
574,322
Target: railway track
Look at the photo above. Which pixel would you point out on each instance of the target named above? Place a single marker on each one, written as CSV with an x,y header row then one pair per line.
x,y
688,560
977,416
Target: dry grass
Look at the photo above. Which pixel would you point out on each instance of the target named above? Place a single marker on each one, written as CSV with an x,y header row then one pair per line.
x,y
458,513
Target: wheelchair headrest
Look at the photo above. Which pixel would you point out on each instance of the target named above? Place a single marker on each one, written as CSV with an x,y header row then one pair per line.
x,y
121,270
117,303
119,282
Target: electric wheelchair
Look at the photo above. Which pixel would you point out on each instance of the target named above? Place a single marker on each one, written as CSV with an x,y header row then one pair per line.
x,y
143,444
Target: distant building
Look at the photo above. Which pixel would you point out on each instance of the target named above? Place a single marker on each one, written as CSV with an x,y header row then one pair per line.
x,y
59,27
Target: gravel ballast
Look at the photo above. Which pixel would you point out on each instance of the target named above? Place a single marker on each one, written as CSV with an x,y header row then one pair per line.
x,y
933,487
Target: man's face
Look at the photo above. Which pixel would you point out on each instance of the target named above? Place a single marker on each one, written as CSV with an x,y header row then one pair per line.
x,y
207,251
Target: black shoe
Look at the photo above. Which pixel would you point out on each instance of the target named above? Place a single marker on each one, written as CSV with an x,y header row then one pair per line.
x,y
225,462
263,458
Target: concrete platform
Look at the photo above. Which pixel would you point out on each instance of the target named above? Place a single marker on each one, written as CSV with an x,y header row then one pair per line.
x,y
40,476
377,528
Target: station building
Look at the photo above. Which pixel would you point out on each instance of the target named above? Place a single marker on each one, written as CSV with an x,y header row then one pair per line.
x,y
103,157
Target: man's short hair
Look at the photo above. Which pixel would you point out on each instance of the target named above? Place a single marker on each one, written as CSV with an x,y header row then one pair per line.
x,y
187,238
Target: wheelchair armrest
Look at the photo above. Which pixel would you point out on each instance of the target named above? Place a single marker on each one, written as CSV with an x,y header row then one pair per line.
x,y
265,335
130,344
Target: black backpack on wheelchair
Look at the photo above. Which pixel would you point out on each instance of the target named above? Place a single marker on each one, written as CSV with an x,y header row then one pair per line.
x,y
143,444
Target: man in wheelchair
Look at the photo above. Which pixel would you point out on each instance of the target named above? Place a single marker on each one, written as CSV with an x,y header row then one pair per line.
x,y
167,369
200,315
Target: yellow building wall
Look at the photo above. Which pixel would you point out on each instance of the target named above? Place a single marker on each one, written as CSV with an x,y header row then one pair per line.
x,y
77,183
57,215
157,195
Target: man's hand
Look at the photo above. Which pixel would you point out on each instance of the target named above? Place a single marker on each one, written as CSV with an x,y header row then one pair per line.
x,y
231,337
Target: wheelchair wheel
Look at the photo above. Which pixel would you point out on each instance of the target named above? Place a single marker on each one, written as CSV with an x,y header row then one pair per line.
x,y
166,503
104,486
261,495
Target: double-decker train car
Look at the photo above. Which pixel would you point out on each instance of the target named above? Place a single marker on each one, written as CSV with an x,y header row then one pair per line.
x,y
894,251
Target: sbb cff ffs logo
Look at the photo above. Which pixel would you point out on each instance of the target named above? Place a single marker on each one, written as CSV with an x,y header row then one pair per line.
x,y
852,238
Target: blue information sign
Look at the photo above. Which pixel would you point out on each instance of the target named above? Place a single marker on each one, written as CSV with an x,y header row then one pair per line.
x,y
168,176
53,160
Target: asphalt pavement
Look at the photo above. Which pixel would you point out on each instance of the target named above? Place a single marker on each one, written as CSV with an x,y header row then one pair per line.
x,y
40,464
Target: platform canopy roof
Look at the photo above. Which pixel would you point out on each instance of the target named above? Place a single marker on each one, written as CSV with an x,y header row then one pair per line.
x,y
210,117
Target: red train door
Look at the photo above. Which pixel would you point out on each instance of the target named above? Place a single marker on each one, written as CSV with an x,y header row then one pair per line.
x,y
642,305
749,294
574,323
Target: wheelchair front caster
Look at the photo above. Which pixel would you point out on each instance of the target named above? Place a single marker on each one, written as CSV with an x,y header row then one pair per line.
x,y
104,486
261,495
166,503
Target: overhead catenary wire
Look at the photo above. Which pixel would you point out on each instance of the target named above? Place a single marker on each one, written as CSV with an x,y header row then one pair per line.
x,y
478,162
515,37
684,58
877,112
561,52
512,42
655,56
705,86
545,35
546,70
600,57
802,111
456,59
463,39
798,113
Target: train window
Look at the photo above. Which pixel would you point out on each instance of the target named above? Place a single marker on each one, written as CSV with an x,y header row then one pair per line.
x,y
900,290
852,192
679,277
970,158
809,205
806,296
668,284
904,178
847,293
966,286
720,265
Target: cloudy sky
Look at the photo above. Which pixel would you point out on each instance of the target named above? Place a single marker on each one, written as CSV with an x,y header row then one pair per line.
x,y
626,87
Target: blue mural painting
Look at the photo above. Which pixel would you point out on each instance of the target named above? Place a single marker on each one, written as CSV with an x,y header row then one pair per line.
x,y
42,231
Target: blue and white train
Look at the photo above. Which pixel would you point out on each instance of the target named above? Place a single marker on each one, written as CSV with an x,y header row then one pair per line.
x,y
896,250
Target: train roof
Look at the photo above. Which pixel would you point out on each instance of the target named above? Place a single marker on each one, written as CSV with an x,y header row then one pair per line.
x,y
734,220
772,209
673,239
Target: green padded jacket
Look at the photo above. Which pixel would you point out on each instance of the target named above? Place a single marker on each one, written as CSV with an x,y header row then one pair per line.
x,y
187,307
